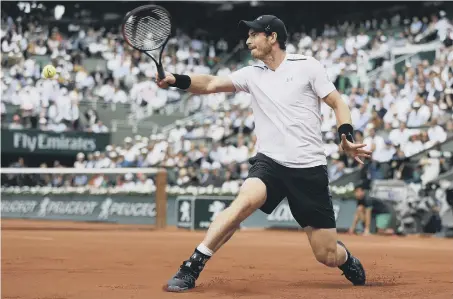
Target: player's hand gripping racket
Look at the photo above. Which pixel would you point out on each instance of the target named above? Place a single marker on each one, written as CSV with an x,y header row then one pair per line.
x,y
148,28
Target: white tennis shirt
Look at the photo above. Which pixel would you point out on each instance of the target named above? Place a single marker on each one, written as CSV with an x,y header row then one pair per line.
x,y
286,105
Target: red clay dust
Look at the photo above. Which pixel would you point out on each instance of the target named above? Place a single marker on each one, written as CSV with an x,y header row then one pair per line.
x,y
65,260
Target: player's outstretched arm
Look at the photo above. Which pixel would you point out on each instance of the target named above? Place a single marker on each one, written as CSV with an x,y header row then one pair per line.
x,y
345,129
341,109
197,84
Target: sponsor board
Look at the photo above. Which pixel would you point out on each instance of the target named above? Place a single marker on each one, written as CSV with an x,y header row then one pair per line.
x,y
184,212
198,213
18,206
138,209
34,141
207,210
122,209
48,207
189,212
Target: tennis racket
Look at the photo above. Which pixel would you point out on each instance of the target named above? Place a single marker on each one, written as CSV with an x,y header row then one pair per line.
x,y
148,28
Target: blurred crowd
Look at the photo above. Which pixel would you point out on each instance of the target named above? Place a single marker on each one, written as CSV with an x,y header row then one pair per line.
x,y
93,64
398,114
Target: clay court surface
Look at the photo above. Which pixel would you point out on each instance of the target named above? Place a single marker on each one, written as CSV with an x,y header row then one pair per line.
x,y
56,260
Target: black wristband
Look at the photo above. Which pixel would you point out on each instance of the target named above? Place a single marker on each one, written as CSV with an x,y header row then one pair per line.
x,y
348,130
182,81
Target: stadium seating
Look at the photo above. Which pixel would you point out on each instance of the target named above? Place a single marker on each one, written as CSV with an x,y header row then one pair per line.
x,y
391,72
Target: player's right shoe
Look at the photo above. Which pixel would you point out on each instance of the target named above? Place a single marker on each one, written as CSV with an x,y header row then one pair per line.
x,y
353,269
188,273
183,280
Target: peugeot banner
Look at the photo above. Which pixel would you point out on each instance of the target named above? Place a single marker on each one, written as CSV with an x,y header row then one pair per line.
x,y
120,209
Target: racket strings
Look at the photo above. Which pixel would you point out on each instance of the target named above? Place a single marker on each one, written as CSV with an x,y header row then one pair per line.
x,y
148,30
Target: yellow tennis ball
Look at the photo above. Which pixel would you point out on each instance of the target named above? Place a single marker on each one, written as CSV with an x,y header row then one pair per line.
x,y
49,71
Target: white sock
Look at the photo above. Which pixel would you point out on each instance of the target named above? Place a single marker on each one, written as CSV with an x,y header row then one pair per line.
x,y
205,250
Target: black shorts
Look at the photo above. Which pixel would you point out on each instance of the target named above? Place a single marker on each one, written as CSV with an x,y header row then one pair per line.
x,y
366,203
307,191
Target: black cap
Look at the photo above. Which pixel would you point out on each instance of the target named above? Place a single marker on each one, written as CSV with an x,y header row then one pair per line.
x,y
268,24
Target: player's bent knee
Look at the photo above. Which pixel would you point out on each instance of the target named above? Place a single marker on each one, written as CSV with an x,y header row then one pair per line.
x,y
245,205
327,256
251,196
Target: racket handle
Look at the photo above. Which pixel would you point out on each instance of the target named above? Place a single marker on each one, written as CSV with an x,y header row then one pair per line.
x,y
161,72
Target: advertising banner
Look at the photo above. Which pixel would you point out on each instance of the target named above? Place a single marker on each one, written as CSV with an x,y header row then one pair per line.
x,y
189,212
44,142
197,212
118,209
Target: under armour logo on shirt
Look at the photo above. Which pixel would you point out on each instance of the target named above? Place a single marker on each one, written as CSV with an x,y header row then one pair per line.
x,y
289,79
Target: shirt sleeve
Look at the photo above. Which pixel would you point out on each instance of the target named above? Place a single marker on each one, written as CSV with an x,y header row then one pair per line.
x,y
321,83
241,78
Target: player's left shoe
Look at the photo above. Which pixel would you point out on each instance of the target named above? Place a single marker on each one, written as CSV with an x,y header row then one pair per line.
x,y
353,269
188,273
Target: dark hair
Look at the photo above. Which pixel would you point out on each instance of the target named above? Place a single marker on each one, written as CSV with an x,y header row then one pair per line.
x,y
359,187
281,43
361,184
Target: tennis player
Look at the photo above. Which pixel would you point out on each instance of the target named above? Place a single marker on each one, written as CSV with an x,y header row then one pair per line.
x,y
287,91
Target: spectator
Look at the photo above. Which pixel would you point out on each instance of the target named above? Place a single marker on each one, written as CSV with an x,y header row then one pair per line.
x,y
342,83
430,166
375,143
388,102
337,168
16,124
363,211
99,127
401,135
367,208
385,154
